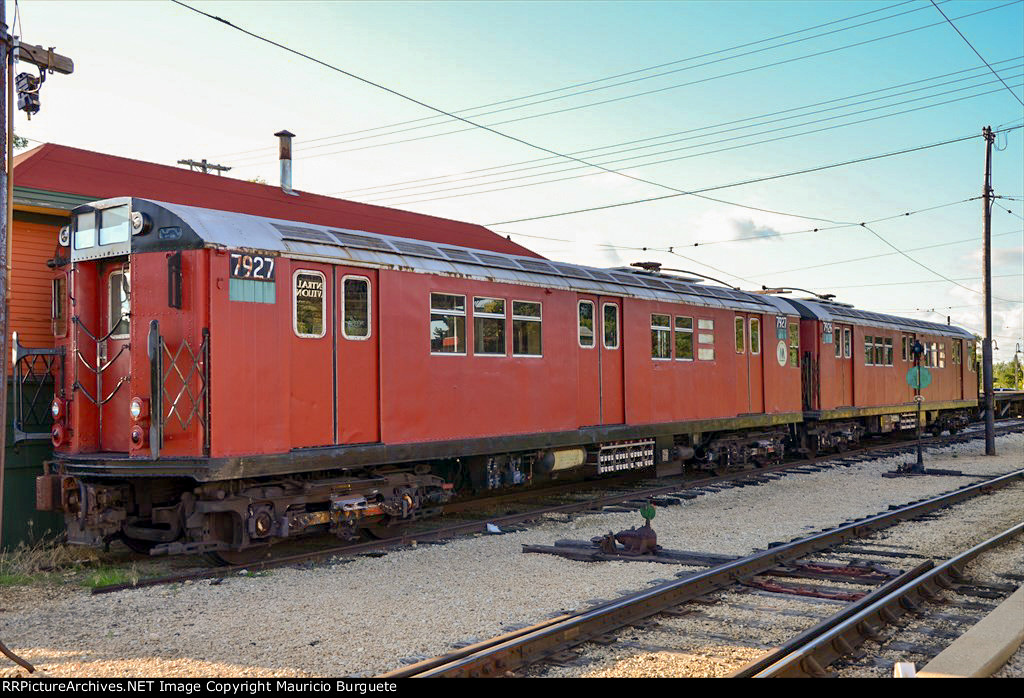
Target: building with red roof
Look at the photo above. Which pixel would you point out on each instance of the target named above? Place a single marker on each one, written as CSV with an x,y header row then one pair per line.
x,y
51,179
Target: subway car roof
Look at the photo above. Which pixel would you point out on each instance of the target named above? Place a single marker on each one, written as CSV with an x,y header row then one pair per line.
x,y
838,312
176,227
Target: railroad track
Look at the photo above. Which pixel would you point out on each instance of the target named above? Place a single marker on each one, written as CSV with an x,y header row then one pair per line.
x,y
666,490
811,653
554,639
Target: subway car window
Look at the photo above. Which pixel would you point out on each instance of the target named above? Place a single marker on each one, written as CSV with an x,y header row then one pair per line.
x,y
741,342
114,225
794,343
586,324
489,326
447,324
85,230
684,338
119,304
661,341
611,326
526,328
755,335
310,309
58,310
355,307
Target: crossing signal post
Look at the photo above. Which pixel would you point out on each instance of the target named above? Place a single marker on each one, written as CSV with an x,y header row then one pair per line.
x,y
918,381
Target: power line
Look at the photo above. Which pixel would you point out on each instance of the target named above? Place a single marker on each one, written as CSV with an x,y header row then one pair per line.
x,y
921,264
404,200
884,254
756,180
929,281
473,123
902,214
625,97
1016,215
847,225
615,77
976,52
702,129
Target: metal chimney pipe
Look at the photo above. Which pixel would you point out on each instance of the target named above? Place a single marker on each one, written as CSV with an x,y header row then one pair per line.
x,y
285,138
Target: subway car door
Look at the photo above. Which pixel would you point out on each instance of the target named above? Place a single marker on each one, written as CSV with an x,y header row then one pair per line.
x,y
844,365
312,354
113,362
588,367
958,351
755,367
358,371
742,365
613,409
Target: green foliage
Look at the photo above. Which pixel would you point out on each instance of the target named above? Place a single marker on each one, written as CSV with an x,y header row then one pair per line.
x,y
106,576
1008,374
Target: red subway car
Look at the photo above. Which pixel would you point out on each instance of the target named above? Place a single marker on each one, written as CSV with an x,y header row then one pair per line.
x,y
226,380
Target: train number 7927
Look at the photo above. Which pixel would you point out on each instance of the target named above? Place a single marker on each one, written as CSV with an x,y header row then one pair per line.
x,y
252,266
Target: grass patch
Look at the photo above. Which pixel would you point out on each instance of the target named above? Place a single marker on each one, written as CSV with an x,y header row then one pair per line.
x,y
108,576
14,580
35,563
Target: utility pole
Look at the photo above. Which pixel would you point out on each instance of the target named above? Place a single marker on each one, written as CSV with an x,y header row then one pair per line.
x,y
204,166
986,345
28,100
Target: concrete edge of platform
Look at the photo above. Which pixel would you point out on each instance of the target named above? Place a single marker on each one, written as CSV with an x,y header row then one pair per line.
x,y
985,647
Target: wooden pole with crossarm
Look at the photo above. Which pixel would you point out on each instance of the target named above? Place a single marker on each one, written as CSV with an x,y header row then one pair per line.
x,y
47,62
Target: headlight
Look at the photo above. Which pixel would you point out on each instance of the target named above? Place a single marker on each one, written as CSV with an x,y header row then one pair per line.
x,y
57,408
139,408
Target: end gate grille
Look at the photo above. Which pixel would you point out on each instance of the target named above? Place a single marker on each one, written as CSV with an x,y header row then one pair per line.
x,y
36,373
180,380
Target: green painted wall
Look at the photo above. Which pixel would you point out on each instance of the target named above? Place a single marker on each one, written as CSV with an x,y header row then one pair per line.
x,y
22,523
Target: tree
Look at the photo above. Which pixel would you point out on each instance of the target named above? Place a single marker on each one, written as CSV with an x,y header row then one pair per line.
x,y
1008,374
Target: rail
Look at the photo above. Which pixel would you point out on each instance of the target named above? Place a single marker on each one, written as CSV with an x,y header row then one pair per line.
x,y
819,647
509,652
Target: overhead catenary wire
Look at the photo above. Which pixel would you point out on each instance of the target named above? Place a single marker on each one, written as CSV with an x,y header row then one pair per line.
x,y
885,254
1021,101
698,193
398,186
473,123
632,96
901,214
465,111
929,281
745,182
404,200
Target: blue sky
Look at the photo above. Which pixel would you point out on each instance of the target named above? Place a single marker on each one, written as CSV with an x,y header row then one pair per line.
x,y
157,82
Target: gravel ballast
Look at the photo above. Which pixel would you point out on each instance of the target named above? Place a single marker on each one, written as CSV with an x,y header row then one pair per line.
x,y
367,615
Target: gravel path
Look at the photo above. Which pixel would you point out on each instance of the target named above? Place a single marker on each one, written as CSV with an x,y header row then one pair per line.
x,y
366,615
